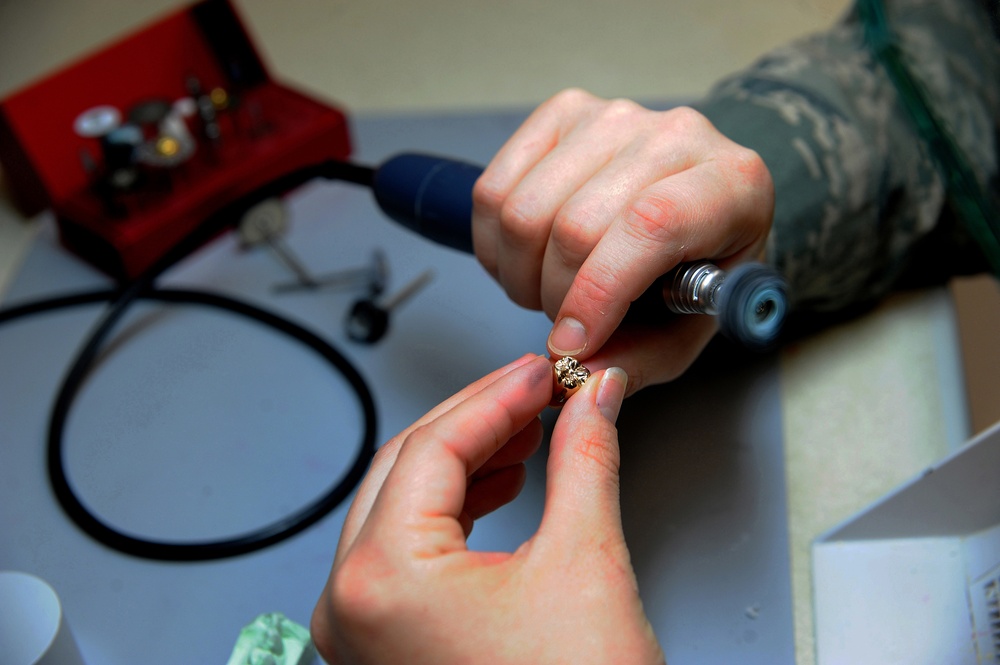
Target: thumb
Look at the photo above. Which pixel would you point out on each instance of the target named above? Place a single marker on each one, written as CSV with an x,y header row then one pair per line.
x,y
582,493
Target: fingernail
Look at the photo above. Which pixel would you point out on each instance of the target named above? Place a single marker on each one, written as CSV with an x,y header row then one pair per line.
x,y
568,338
611,392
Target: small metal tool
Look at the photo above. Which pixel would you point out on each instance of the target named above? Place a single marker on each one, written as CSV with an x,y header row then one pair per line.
x,y
372,278
368,320
265,223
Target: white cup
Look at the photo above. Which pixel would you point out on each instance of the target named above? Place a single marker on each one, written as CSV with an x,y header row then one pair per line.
x,y
33,630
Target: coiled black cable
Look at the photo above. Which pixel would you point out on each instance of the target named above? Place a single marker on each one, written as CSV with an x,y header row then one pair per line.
x,y
143,288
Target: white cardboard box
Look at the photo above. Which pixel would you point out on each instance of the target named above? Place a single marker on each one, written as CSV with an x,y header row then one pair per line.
x,y
915,578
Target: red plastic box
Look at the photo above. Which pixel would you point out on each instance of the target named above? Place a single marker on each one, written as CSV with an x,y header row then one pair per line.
x,y
264,129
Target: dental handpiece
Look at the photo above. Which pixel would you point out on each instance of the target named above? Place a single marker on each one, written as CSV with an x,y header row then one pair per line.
x,y
433,197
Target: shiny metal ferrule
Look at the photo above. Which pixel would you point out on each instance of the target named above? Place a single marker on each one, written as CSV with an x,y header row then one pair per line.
x,y
694,288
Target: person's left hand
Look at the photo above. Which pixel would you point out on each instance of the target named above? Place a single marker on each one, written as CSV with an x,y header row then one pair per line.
x,y
405,588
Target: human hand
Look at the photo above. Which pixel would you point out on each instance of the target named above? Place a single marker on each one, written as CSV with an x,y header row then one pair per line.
x,y
406,589
591,201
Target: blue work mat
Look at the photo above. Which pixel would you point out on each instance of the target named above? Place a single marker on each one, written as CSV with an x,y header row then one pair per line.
x,y
195,424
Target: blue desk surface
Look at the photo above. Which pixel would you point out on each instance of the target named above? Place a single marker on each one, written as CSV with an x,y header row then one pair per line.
x,y
198,425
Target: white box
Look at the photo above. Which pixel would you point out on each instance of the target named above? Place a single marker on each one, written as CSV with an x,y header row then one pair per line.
x,y
915,578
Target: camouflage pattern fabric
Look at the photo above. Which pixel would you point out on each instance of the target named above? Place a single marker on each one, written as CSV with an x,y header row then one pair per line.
x,y
860,206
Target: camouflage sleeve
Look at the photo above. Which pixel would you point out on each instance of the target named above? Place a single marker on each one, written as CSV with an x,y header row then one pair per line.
x,y
860,206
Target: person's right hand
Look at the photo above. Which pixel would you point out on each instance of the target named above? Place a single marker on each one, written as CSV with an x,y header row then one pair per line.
x,y
591,201
405,587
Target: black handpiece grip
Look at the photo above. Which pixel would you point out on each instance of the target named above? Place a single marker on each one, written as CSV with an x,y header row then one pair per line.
x,y
430,195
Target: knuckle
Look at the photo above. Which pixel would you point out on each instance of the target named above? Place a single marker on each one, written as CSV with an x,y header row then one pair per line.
x,y
752,192
621,108
420,436
601,295
387,452
573,98
684,119
622,117
519,222
750,161
652,222
575,233
360,594
488,194
753,172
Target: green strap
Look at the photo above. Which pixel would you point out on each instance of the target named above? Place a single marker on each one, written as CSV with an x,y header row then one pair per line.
x,y
976,210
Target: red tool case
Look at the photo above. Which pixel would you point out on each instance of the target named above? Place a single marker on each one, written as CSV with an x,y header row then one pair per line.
x,y
265,129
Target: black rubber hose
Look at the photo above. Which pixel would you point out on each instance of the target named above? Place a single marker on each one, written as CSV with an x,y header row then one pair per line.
x,y
143,288
204,550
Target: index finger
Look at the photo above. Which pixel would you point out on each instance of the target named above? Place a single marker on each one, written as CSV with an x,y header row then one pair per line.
x,y
386,456
424,493
531,143
699,213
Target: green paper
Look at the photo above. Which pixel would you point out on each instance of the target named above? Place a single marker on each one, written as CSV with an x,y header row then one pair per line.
x,y
273,639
